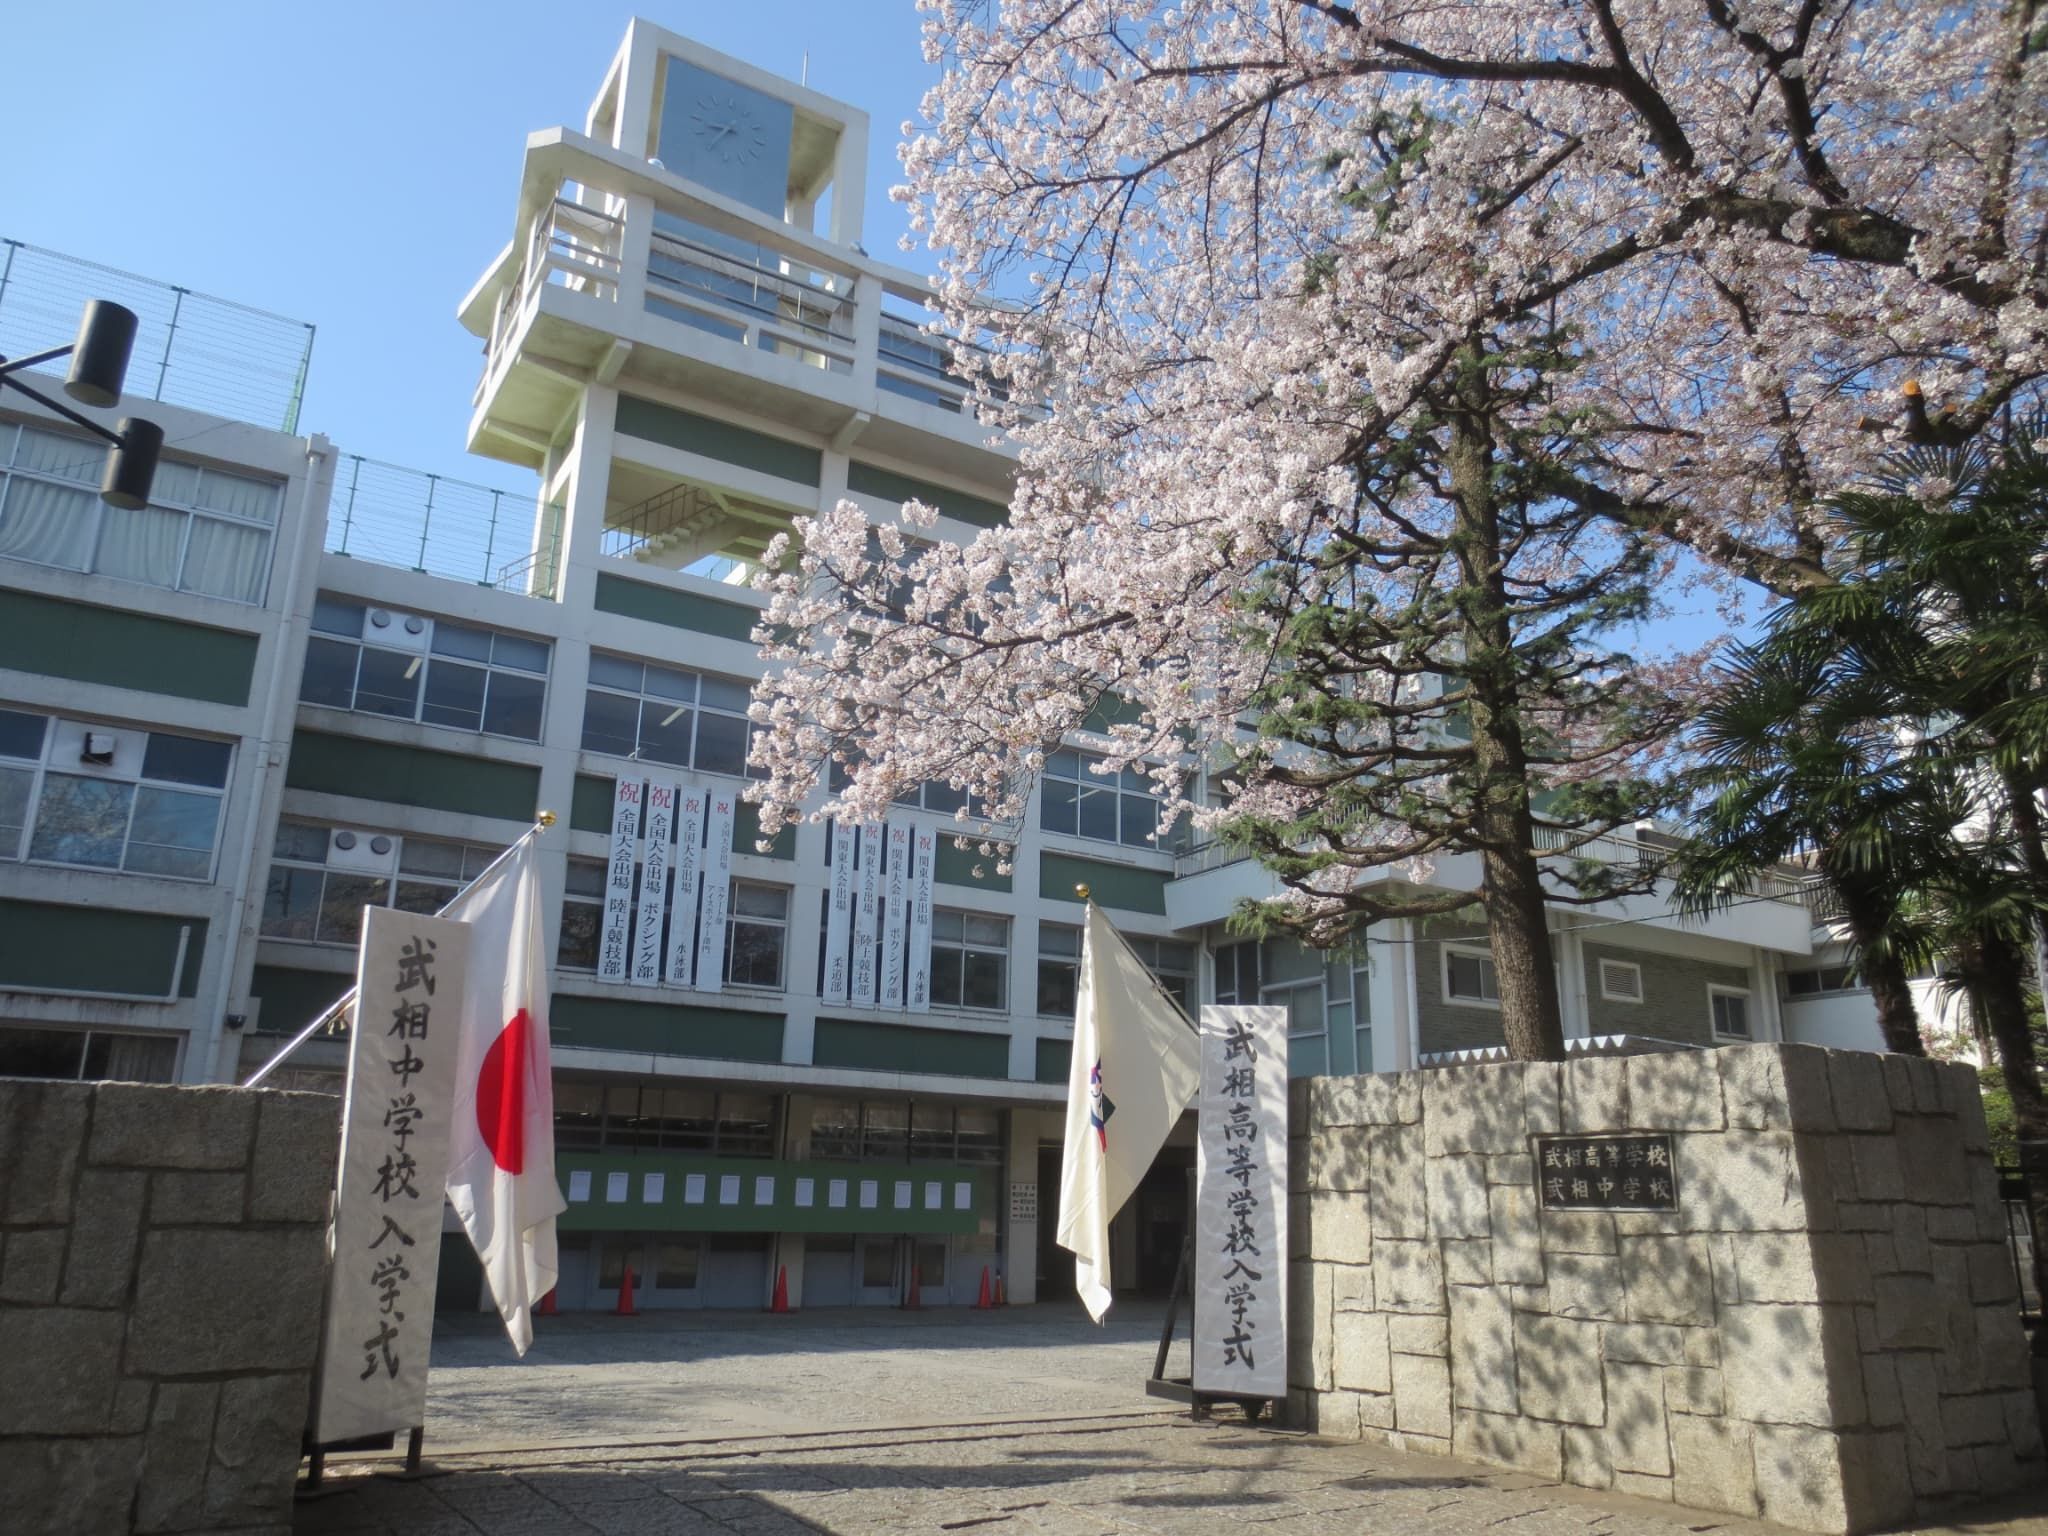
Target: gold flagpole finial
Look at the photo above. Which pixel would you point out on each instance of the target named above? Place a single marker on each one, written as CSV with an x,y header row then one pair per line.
x,y
546,818
1081,891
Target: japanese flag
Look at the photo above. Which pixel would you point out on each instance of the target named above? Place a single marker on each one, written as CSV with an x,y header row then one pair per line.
x,y
1137,1062
501,1151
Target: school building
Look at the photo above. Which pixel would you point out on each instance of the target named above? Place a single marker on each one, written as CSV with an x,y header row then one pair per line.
x,y
303,681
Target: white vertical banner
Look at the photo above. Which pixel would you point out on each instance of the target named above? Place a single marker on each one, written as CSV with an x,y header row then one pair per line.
x,y
867,927
895,896
654,863
386,1232
682,922
924,850
724,807
616,938
839,914
1240,1282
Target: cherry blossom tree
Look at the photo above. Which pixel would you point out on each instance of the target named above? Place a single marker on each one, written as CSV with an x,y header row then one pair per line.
x,y
1251,253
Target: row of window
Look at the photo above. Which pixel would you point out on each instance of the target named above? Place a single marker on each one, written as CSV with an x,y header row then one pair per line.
x,y
410,667
106,797
86,1055
407,667
635,1117
892,1131
205,530
322,877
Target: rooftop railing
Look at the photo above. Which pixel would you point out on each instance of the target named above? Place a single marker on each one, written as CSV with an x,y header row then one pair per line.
x,y
191,349
442,526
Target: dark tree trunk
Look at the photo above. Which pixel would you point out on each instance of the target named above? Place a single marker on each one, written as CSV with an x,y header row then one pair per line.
x,y
2026,826
1867,915
1994,969
1511,890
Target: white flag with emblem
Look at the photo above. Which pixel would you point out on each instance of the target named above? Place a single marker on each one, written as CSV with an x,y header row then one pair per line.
x,y
1137,1063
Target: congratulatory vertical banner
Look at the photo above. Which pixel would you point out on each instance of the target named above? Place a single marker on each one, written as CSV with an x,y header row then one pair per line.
x,y
1240,1334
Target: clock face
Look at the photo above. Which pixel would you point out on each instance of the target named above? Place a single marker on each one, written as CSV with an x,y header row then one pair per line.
x,y
728,128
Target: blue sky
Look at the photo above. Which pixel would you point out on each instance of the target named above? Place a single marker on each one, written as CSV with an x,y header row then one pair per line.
x,y
355,165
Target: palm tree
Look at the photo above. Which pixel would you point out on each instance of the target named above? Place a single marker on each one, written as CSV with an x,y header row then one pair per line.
x,y
1798,767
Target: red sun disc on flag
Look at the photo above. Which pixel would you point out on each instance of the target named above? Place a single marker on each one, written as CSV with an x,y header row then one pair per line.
x,y
501,1093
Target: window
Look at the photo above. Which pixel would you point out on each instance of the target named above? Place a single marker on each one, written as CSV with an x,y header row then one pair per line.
x,y
110,797
665,715
756,935
1468,977
205,530
1171,962
970,960
1059,969
1729,1007
1621,981
322,877
674,1117
835,1128
87,1055
1237,974
1829,978
582,915
377,662
1108,807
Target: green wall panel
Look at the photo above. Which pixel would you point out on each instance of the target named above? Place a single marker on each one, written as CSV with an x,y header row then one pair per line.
x,y
1112,885
870,480
664,1029
1055,1060
720,440
94,949
590,810
440,781
677,610
955,866
674,1212
293,998
878,1047
125,650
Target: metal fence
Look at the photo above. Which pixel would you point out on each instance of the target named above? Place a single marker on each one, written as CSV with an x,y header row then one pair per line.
x,y
191,349
433,523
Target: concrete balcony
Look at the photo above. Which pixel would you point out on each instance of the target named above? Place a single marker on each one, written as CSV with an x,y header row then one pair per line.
x,y
1211,878
622,273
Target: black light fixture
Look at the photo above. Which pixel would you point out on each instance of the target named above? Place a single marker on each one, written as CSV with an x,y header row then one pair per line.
x,y
99,364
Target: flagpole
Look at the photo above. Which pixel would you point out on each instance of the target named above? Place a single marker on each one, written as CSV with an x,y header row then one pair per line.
x,y
1088,900
341,1005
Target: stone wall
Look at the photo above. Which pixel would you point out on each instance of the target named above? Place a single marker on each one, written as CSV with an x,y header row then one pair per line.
x,y
1824,1332
162,1259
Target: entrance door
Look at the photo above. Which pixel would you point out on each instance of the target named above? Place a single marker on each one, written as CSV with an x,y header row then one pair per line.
x,y
828,1270
1055,1264
878,1267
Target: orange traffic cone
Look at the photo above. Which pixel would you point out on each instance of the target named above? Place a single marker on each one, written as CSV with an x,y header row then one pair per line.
x,y
781,1301
913,1302
625,1307
1002,1298
547,1305
982,1303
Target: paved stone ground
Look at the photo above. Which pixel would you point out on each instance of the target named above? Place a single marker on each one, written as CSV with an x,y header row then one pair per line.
x,y
1030,1423
593,1378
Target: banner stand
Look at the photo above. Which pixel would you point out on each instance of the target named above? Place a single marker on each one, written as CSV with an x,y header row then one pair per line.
x,y
1181,1389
